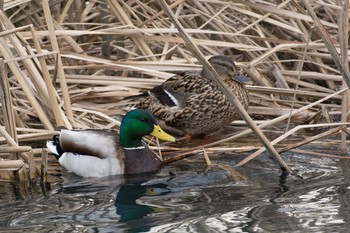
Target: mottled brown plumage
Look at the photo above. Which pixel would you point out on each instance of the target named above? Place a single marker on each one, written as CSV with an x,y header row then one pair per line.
x,y
191,104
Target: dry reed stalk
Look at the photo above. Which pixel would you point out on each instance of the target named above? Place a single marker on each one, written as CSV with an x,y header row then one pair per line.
x,y
7,53
110,65
99,114
71,42
43,166
308,85
31,165
310,75
344,46
11,142
290,132
22,49
11,165
308,152
122,16
60,71
206,157
45,135
282,91
28,158
329,44
311,139
11,149
60,118
6,102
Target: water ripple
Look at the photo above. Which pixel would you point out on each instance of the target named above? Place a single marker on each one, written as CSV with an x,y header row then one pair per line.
x,y
192,201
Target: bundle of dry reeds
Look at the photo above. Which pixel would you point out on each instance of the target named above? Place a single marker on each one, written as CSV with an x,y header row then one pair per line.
x,y
70,63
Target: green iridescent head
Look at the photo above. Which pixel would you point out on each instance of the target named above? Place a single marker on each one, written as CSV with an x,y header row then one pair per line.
x,y
138,123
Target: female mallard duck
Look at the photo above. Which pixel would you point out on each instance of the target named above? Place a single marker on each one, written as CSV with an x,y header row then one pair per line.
x,y
189,104
100,152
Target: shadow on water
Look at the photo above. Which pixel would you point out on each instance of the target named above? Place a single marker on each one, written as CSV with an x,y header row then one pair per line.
x,y
256,199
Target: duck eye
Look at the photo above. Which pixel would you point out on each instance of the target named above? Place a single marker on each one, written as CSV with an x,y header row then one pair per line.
x,y
143,119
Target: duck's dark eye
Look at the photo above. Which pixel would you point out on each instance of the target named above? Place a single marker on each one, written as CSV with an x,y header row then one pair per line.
x,y
143,119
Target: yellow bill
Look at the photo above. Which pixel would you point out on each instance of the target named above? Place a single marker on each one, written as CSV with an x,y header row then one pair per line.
x,y
159,133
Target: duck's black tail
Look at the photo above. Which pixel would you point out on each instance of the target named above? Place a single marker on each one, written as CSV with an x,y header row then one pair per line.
x,y
55,147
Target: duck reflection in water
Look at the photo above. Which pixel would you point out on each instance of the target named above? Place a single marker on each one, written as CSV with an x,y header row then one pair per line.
x,y
128,208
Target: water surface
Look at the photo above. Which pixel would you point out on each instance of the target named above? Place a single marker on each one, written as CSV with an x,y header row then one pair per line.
x,y
187,197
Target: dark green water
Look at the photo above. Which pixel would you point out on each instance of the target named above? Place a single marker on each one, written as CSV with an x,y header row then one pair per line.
x,y
185,197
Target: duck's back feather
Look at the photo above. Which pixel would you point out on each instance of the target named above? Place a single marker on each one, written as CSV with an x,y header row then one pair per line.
x,y
177,89
99,143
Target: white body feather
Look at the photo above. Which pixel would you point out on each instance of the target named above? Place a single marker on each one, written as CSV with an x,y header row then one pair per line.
x,y
89,166
51,147
176,102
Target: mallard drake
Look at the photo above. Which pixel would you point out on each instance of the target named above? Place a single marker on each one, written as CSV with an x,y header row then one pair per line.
x,y
189,104
101,152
